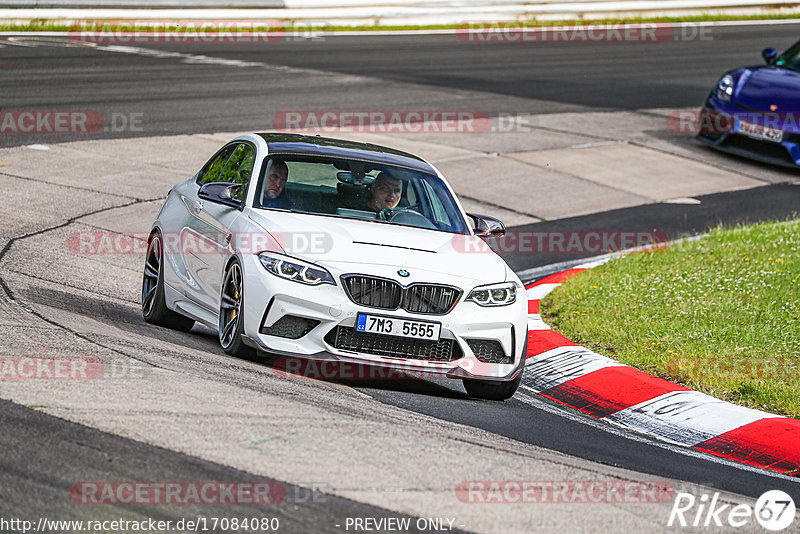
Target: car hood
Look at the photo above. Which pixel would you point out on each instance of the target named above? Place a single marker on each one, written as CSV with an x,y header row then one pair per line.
x,y
344,243
765,86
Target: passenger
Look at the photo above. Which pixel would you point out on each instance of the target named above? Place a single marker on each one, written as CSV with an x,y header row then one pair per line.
x,y
384,193
275,194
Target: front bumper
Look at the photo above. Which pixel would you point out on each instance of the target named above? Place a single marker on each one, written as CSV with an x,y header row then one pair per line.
x,y
717,128
268,299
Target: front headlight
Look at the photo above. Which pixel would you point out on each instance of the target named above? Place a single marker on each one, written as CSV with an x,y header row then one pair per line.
x,y
295,270
501,294
725,88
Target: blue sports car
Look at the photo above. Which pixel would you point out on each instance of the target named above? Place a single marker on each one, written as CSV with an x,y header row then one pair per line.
x,y
755,111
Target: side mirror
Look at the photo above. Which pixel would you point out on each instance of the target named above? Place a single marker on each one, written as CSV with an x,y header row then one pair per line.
x,y
221,193
486,226
769,55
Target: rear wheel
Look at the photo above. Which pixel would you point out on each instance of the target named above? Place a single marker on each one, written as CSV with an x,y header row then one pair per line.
x,y
491,389
231,321
154,306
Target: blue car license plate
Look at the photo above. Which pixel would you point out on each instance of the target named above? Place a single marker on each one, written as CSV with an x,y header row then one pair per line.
x,y
757,131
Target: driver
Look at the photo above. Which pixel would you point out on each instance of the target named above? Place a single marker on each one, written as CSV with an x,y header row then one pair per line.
x,y
385,192
275,194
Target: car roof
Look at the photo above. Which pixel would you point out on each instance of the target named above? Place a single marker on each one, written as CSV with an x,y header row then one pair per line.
x,y
315,145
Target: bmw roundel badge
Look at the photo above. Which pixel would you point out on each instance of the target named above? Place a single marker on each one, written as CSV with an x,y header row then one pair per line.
x,y
404,273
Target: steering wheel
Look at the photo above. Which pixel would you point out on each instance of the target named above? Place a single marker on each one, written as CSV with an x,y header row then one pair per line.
x,y
411,217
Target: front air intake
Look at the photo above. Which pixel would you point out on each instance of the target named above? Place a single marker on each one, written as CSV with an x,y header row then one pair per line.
x,y
346,338
290,327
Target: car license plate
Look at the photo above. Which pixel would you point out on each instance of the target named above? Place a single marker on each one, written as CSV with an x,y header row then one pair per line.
x,y
395,326
757,131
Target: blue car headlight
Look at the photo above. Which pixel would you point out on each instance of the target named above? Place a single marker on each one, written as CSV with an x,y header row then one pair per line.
x,y
501,294
725,88
295,270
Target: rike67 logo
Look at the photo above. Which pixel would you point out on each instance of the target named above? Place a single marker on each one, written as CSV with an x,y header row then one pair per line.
x,y
774,511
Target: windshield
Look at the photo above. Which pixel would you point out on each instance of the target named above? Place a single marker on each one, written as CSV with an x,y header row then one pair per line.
x,y
790,59
358,190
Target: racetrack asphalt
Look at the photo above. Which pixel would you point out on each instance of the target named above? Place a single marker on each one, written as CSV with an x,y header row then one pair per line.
x,y
198,92
177,98
44,457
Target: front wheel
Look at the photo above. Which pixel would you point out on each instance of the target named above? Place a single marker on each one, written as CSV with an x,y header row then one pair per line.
x,y
491,389
231,320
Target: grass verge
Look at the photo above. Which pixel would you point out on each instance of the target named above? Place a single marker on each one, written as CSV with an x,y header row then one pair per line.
x,y
720,315
42,25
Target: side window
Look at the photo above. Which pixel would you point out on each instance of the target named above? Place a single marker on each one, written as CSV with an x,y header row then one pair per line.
x,y
213,168
239,168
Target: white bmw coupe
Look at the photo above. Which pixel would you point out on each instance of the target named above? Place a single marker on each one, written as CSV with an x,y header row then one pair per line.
x,y
309,247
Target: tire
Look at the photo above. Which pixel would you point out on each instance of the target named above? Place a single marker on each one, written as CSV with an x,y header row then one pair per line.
x,y
154,306
231,305
492,389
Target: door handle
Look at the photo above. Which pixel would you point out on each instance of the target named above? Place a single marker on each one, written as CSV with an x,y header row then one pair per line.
x,y
198,206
